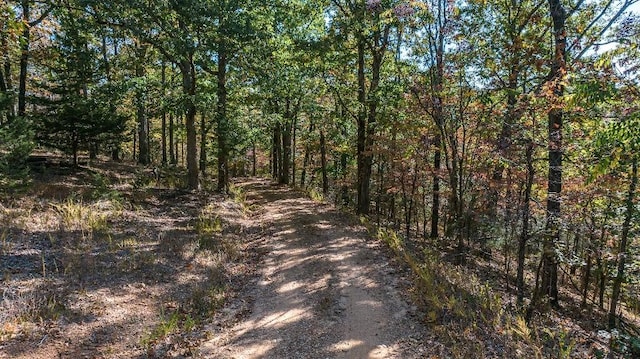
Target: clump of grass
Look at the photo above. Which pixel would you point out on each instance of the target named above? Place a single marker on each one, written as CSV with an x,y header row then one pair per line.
x,y
19,307
315,195
209,227
168,324
208,224
206,302
5,243
143,180
215,244
239,196
75,215
201,305
171,177
18,217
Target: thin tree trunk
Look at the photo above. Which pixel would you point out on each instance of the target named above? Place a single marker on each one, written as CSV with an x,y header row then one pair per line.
x,y
189,89
222,121
305,163
367,116
549,287
182,142
25,52
381,187
286,144
602,271
203,145
624,241
277,151
586,276
164,115
409,209
524,236
141,111
362,180
135,143
172,150
307,156
438,116
5,73
323,159
24,58
294,122
74,148
115,146
254,158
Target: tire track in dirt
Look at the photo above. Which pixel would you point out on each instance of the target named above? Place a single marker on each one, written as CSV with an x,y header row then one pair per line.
x,y
324,290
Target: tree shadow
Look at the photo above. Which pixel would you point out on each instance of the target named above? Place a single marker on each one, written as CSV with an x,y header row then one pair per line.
x,y
321,294
100,295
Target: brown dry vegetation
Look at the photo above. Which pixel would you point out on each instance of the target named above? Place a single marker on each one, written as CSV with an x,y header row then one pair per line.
x,y
103,261
472,310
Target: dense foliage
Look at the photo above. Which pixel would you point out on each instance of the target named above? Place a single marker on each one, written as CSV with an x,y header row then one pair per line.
x,y
507,129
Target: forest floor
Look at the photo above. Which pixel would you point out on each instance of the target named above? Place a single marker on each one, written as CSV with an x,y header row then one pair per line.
x,y
110,261
101,262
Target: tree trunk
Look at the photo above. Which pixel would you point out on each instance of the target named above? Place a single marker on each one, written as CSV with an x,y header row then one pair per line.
x,y
344,159
172,149
549,287
24,58
602,280
222,121
8,88
307,156
524,236
277,151
164,115
409,205
381,187
254,158
305,163
141,111
203,145
323,159
286,145
114,146
586,276
624,239
438,117
93,150
74,149
189,89
5,74
294,125
135,144
367,115
363,158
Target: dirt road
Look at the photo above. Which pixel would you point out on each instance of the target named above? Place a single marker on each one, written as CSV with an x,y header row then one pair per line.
x,y
324,289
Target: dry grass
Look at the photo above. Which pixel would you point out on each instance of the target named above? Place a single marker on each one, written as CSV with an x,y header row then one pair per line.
x,y
472,319
83,251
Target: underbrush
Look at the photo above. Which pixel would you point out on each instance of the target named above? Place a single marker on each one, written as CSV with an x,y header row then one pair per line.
x,y
472,320
22,309
170,177
99,230
180,330
75,215
217,247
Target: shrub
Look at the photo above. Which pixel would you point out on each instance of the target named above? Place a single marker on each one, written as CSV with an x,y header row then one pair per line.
x,y
16,143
